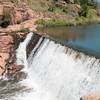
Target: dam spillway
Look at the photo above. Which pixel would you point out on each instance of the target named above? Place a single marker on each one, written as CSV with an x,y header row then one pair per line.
x,y
56,72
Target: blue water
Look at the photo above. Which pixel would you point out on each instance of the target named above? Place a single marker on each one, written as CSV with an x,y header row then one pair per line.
x,y
84,38
98,0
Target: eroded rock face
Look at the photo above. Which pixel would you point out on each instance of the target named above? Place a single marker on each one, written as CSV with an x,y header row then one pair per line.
x,y
21,18
17,13
5,49
8,55
92,96
13,70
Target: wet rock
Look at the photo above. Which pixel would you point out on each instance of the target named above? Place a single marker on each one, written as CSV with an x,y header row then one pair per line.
x,y
13,69
20,34
19,68
92,96
34,40
1,70
20,76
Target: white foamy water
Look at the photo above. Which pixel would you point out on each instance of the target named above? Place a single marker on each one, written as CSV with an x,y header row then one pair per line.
x,y
21,52
56,72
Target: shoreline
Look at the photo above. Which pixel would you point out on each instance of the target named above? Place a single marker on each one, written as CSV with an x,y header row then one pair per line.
x,y
62,23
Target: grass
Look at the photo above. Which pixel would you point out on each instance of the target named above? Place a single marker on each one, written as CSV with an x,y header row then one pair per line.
x,y
53,22
72,22
40,5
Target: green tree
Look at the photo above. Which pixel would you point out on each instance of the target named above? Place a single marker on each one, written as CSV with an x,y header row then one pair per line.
x,y
84,10
83,2
76,1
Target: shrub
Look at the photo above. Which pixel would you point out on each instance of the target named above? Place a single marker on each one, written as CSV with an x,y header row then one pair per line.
x,y
91,13
13,1
5,21
65,10
84,10
51,9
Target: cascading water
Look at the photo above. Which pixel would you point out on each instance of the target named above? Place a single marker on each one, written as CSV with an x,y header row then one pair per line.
x,y
21,52
56,72
63,72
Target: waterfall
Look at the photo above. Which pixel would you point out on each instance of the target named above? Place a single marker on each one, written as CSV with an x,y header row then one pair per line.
x,y
64,73
21,52
56,72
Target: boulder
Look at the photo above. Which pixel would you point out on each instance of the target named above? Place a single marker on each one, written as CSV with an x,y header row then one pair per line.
x,y
20,76
92,96
13,70
19,68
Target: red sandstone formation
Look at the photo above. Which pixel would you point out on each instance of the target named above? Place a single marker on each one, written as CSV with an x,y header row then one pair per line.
x,y
21,18
29,24
8,57
5,49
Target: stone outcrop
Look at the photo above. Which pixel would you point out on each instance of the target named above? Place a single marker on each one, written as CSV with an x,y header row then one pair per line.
x,y
29,24
17,13
92,96
14,71
5,49
22,19
8,57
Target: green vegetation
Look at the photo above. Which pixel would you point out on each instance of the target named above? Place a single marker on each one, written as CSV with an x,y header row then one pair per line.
x,y
5,20
13,1
87,12
72,22
84,11
54,22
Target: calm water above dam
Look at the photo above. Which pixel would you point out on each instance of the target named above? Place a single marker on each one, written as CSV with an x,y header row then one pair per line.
x,y
83,38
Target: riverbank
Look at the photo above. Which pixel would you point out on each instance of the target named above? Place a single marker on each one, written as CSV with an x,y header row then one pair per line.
x,y
67,22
